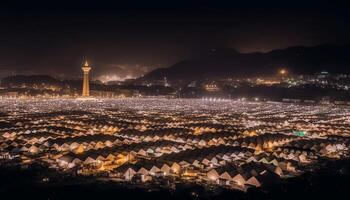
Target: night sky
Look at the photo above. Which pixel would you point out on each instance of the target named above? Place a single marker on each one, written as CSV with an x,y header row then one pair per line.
x,y
124,40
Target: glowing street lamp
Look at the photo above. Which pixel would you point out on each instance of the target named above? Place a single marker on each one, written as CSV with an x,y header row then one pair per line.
x,y
283,72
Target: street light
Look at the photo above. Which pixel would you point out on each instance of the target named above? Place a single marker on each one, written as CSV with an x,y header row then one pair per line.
x,y
283,72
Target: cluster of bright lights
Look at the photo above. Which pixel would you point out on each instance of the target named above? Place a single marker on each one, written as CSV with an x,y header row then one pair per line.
x,y
187,138
215,99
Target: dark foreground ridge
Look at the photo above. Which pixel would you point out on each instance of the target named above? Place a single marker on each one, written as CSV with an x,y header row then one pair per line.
x,y
37,182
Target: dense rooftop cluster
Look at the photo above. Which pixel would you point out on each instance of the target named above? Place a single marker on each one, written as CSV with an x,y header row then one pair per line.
x,y
234,144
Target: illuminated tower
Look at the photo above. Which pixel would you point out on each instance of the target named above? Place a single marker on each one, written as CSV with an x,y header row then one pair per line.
x,y
86,89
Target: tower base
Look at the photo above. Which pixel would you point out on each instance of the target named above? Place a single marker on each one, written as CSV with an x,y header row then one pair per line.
x,y
85,98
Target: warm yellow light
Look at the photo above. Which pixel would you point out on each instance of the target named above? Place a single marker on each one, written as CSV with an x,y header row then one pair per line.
x,y
283,71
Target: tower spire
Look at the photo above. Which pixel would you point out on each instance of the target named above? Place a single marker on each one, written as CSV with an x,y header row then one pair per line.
x,y
86,88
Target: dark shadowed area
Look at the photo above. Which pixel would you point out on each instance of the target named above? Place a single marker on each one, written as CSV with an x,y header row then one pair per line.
x,y
123,39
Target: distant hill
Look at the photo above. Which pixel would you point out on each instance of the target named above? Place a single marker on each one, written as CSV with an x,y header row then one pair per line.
x,y
228,62
29,80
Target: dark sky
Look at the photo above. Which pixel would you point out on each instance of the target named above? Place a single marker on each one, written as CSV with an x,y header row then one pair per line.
x,y
128,39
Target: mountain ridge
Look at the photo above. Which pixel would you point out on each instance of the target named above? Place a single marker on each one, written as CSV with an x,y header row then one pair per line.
x,y
217,63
